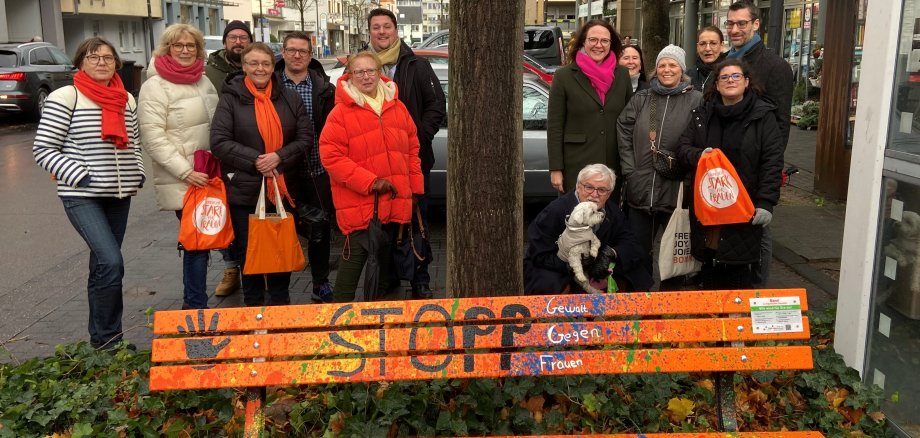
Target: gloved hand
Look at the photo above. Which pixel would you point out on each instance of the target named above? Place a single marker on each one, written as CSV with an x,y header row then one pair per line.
x,y
597,269
762,217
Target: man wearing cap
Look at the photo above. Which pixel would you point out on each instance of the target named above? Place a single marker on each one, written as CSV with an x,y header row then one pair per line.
x,y
228,60
220,65
771,73
421,92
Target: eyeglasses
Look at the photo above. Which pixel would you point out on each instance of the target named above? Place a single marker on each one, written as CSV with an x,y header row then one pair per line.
x,y
734,76
191,47
705,44
298,52
599,41
740,23
591,189
364,73
96,59
256,64
240,38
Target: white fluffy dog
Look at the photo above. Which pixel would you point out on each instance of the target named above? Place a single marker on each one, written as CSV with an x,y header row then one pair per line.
x,y
578,240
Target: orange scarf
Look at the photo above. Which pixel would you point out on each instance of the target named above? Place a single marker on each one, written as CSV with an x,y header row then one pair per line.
x,y
270,129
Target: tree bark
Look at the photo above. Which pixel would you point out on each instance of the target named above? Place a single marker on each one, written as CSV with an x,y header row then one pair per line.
x,y
484,167
656,26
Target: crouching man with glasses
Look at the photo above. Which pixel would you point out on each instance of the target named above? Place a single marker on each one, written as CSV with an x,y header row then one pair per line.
x,y
545,273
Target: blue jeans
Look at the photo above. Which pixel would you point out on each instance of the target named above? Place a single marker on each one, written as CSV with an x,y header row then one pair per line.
x,y
194,277
101,222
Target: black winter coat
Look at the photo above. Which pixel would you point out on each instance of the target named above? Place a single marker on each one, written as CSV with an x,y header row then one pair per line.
x,y
421,92
701,75
758,159
546,273
236,141
774,76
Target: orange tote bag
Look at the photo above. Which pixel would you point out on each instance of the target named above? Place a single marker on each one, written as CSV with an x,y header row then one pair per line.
x,y
720,198
205,222
273,244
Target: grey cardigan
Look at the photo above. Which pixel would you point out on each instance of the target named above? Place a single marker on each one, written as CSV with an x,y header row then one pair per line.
x,y
645,190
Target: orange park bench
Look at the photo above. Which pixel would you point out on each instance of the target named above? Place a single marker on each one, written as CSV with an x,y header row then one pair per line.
x,y
485,337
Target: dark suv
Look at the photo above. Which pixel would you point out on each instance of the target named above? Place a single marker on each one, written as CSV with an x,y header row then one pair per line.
x,y
543,43
29,72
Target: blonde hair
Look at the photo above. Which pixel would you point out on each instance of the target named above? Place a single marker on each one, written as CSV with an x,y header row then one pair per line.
x,y
364,54
173,33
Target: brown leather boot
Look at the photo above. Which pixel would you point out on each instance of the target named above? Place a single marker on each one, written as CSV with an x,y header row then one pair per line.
x,y
229,284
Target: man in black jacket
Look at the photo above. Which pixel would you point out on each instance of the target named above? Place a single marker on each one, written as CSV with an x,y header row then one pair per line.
x,y
420,90
545,273
298,70
774,76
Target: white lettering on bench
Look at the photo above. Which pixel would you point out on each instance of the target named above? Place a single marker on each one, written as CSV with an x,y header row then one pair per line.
x,y
577,335
581,308
548,361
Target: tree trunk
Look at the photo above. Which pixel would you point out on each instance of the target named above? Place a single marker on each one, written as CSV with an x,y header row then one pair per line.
x,y
656,26
484,165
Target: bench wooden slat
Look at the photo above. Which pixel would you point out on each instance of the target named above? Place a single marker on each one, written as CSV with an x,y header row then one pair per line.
x,y
433,339
484,365
490,308
690,435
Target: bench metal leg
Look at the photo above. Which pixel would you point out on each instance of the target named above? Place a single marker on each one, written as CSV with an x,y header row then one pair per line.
x,y
725,400
255,415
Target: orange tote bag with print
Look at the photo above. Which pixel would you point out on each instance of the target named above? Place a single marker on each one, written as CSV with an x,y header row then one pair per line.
x,y
205,222
720,198
273,244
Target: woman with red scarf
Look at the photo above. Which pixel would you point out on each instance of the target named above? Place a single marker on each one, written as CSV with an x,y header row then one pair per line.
x,y
88,140
260,129
175,107
585,100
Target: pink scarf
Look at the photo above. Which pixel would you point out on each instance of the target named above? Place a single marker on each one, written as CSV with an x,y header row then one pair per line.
x,y
172,71
600,75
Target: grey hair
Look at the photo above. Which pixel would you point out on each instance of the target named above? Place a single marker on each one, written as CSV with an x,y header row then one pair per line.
x,y
597,169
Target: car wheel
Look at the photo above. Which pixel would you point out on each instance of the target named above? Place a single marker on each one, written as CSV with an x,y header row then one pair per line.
x,y
40,98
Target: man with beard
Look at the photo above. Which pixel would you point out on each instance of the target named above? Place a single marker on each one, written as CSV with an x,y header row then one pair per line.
x,y
420,90
222,64
227,60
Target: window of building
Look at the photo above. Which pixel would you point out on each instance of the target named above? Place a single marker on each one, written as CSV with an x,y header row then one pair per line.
x,y
135,35
97,28
122,35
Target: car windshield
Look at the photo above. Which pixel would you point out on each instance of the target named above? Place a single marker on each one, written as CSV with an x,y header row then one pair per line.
x,y
7,59
538,39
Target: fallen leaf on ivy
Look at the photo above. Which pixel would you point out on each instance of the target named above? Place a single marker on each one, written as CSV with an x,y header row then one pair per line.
x,y
707,385
836,397
878,417
852,415
679,409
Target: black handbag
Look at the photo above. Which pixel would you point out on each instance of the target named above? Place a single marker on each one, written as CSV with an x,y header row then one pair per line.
x,y
412,249
663,160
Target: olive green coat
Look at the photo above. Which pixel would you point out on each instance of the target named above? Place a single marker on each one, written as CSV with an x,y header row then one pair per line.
x,y
580,131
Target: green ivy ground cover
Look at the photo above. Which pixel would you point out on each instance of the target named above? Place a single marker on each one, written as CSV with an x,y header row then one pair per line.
x,y
81,392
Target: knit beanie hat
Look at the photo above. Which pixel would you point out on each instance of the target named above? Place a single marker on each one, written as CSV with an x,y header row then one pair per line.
x,y
234,25
675,53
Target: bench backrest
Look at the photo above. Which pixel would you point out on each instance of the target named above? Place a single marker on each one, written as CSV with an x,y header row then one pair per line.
x,y
481,337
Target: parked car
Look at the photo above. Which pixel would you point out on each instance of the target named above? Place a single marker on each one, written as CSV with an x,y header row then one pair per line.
x,y
543,43
440,57
29,72
213,43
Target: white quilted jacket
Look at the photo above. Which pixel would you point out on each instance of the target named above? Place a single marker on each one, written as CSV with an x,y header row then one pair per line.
x,y
175,121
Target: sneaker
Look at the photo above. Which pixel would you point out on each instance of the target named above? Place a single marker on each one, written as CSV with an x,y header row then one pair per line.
x,y
322,293
230,283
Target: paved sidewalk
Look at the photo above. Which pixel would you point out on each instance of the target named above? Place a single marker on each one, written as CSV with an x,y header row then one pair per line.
x,y
52,307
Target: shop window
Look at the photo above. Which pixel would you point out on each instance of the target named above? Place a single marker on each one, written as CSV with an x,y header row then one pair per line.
x,y
894,347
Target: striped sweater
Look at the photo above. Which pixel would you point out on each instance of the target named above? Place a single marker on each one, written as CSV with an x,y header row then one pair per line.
x,y
69,145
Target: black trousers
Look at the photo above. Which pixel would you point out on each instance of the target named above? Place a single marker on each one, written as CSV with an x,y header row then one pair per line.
x,y
317,192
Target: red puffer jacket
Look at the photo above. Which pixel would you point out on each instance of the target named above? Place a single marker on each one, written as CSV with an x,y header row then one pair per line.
x,y
357,146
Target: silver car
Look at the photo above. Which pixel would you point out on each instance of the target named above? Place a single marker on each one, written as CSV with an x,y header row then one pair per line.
x,y
537,188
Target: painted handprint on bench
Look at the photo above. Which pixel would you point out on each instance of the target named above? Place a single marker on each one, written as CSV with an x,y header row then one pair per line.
x,y
201,348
